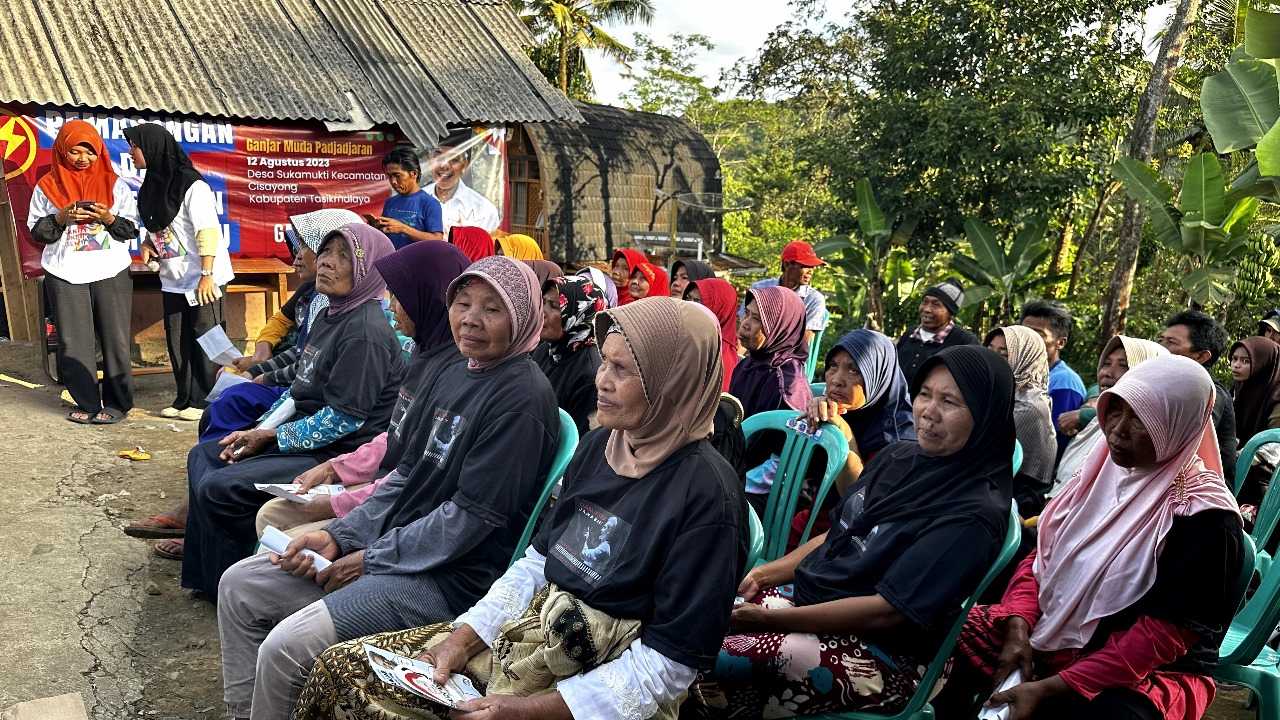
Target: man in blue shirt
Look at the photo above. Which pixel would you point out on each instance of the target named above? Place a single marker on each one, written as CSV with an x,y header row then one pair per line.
x,y
410,214
1066,389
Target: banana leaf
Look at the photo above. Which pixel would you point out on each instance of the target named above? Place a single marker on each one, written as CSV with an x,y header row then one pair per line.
x,y
1199,236
826,249
1141,183
1262,33
971,270
1251,183
987,250
1268,152
1241,217
1210,284
1027,240
870,216
976,294
1203,190
1241,103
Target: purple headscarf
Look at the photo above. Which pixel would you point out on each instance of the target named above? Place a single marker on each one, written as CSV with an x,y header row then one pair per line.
x,y
367,246
418,275
521,294
772,378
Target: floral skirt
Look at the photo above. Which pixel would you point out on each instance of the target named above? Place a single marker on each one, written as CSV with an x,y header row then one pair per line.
x,y
782,675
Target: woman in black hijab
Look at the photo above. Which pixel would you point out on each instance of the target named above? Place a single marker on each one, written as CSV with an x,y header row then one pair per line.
x,y
874,596
684,272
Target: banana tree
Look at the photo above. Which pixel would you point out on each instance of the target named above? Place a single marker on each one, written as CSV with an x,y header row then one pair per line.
x,y
1000,274
866,259
1210,235
1241,106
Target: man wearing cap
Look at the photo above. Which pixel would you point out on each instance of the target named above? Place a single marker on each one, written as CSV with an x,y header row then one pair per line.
x,y
459,204
938,328
798,262
1269,326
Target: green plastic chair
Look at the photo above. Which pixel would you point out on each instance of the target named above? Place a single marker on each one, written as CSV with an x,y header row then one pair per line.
x,y
1017,456
797,450
1244,658
811,363
568,446
1268,514
1245,460
918,708
818,388
757,537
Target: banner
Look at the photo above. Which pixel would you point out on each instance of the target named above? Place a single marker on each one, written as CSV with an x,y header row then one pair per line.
x,y
260,174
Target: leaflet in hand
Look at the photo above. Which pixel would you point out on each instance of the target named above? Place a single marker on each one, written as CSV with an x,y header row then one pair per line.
x,y
277,542
415,676
226,381
217,346
289,491
1002,712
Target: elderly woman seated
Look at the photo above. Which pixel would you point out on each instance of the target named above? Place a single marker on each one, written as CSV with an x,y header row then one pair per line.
x,y
626,591
1027,353
874,596
568,354
436,533
1120,610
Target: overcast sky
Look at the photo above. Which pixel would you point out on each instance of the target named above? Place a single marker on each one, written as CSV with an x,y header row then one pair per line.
x,y
738,28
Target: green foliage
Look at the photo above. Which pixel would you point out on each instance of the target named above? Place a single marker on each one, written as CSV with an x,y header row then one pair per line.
x,y
564,30
667,80
1003,277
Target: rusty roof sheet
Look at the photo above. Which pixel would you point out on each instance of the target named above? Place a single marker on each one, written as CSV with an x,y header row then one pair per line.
x,y
282,60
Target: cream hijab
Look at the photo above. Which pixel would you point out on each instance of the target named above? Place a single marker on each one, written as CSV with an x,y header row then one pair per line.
x,y
1099,541
676,346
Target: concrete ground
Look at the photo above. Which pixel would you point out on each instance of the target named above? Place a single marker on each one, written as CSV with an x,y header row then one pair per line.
x,y
85,609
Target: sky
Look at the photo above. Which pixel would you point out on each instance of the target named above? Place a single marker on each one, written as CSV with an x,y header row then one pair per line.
x,y
737,27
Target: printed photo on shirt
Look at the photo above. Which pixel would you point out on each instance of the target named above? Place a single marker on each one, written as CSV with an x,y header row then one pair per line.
x,y
167,246
401,409
852,510
592,542
87,237
446,427
307,363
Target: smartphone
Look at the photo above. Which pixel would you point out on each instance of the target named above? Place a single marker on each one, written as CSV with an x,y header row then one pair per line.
x,y
85,205
371,219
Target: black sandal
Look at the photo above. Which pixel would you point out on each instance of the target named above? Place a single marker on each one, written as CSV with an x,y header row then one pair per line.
x,y
107,416
85,419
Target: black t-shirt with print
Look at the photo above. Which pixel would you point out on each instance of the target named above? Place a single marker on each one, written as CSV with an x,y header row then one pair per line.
x,y
424,367
574,381
923,568
668,549
352,363
485,440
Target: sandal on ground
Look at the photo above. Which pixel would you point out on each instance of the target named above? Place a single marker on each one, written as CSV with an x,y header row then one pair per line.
x,y
168,549
157,527
191,414
80,417
108,416
170,412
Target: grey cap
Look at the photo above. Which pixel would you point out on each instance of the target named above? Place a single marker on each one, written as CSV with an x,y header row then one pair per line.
x,y
950,293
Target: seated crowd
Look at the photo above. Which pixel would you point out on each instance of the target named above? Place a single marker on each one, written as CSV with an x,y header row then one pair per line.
x,y
428,384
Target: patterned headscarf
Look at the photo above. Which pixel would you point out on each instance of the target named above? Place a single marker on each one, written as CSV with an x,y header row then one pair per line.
x,y
773,377
676,346
580,300
1033,409
604,282
367,245
516,284
1028,358
313,227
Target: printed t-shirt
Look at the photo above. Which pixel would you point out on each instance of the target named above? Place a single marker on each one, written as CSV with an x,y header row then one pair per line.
x,y
467,208
923,568
85,253
176,244
424,367
574,381
418,210
668,549
353,364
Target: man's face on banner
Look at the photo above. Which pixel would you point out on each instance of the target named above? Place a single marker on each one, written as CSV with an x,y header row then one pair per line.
x,y
447,167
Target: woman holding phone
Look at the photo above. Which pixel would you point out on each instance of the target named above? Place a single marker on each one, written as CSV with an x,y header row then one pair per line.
x,y
184,236
80,212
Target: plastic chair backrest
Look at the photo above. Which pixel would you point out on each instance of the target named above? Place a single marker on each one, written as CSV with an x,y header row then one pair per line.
x,y
1245,460
757,537
1248,566
1017,456
1259,615
818,388
811,363
1268,516
914,708
568,446
784,495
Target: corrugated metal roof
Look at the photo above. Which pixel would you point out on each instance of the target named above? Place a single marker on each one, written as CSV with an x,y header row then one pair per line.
x,y
282,60
28,70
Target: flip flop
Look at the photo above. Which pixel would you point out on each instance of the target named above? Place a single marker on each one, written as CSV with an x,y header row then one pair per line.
x,y
84,417
168,549
136,453
107,416
157,527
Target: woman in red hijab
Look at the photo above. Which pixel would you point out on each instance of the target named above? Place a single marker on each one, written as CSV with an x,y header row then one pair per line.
x,y
624,263
79,212
648,280
474,242
721,299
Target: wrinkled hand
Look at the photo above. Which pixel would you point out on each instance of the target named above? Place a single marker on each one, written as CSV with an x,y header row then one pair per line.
x,y
1016,653
823,409
1069,423
205,291
749,617
451,654
342,572
101,213
297,564
147,252
499,707
752,585
322,474
244,444
243,363
1023,699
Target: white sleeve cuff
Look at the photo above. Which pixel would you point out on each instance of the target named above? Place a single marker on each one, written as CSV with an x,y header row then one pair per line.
x,y
628,688
509,596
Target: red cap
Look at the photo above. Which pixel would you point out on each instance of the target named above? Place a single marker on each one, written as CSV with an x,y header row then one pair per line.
x,y
801,252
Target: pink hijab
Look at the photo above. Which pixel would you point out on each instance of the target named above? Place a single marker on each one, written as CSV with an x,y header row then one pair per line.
x,y
1101,536
521,294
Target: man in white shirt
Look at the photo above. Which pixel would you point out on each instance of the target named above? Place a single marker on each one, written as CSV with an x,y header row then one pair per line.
x,y
459,204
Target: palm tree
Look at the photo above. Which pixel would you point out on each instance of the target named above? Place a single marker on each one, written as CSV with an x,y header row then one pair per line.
x,y
566,29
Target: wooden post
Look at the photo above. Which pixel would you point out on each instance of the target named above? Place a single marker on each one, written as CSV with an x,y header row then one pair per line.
x,y
21,294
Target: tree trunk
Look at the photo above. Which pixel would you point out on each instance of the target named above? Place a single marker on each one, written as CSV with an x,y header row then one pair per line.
x,y
1105,191
1060,247
564,62
875,302
1141,144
